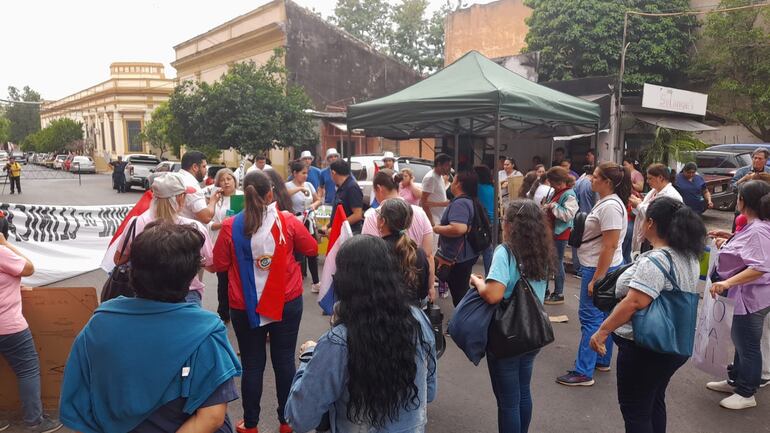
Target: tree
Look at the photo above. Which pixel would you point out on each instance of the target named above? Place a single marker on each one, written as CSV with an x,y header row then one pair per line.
x,y
401,31
25,118
250,109
55,137
5,131
582,38
162,131
672,143
734,63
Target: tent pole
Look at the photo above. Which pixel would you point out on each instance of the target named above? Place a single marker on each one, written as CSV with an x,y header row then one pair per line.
x,y
551,158
596,140
350,143
495,223
457,144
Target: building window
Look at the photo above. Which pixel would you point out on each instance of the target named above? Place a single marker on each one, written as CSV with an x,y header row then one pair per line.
x,y
133,129
112,135
101,136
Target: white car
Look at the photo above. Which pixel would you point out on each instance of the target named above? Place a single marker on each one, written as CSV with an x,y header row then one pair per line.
x,y
362,168
82,164
58,162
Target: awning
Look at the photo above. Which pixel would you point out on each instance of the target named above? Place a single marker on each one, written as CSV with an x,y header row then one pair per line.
x,y
341,126
679,123
572,137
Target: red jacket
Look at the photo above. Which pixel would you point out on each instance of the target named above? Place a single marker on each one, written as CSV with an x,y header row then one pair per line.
x,y
297,237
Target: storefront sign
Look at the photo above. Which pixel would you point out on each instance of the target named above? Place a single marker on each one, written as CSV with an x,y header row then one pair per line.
x,y
676,100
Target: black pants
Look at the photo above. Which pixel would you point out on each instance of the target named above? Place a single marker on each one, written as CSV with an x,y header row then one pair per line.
x,y
119,182
224,302
459,279
15,182
311,263
643,376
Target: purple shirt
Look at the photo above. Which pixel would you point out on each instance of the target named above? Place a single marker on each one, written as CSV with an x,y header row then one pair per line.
x,y
748,248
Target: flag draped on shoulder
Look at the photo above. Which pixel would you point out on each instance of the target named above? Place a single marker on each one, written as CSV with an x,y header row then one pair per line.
x,y
139,208
262,263
340,232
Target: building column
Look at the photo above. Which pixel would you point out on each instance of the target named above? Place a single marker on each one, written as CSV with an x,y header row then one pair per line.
x,y
121,147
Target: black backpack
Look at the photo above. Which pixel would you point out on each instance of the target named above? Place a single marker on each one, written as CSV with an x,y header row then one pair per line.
x,y
579,226
480,232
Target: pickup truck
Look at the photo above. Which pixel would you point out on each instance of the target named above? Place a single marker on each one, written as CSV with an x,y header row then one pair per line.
x,y
138,169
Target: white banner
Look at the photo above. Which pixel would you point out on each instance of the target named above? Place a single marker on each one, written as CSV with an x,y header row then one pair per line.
x,y
713,344
62,241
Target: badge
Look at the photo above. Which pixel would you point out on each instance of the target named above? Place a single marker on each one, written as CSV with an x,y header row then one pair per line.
x,y
263,262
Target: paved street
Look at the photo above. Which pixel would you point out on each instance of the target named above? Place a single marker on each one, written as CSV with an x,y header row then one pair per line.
x,y
465,402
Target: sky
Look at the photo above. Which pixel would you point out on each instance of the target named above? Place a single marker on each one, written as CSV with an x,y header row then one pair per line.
x,y
61,47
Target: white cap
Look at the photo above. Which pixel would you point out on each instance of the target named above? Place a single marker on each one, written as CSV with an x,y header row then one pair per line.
x,y
306,154
170,185
388,155
332,152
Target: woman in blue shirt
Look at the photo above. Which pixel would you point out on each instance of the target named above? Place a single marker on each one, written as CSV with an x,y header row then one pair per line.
x,y
486,194
693,189
375,370
525,225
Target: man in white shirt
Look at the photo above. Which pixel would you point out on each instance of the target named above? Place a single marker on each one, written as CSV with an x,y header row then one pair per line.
x,y
434,200
193,171
260,163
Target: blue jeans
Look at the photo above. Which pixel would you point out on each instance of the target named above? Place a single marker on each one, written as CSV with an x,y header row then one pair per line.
x,y
487,257
575,261
627,242
510,383
19,351
253,346
561,246
590,320
747,364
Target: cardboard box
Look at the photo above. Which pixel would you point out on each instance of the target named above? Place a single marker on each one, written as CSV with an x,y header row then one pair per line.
x,y
55,315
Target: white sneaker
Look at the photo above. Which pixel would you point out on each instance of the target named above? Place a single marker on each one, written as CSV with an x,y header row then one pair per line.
x,y
721,386
315,288
738,402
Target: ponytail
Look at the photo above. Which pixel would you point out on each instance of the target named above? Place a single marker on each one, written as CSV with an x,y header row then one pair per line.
x,y
681,228
397,214
406,254
619,177
256,188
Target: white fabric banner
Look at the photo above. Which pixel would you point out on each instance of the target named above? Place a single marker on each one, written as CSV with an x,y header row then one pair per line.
x,y
62,241
713,344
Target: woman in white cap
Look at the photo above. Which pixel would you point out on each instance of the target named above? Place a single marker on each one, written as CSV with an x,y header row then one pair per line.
x,y
313,173
168,197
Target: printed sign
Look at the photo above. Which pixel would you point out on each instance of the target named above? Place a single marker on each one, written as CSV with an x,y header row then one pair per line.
x,y
677,100
62,241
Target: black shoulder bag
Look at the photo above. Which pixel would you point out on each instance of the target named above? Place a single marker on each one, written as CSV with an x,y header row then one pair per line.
x,y
479,232
604,290
520,324
119,283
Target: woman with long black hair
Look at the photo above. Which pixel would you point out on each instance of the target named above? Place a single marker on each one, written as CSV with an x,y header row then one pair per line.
x,y
525,225
256,248
375,370
677,236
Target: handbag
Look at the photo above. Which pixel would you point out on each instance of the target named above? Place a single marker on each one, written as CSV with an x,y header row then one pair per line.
x,y
520,324
119,282
604,290
469,324
436,318
667,325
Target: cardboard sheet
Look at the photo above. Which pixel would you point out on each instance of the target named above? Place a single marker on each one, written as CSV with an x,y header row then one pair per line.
x,y
55,315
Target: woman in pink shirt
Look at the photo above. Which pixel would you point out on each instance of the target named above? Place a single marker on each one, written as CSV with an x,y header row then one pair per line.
x,y
744,269
407,188
16,344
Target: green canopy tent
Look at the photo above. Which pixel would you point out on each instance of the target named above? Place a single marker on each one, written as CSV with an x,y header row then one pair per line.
x,y
474,95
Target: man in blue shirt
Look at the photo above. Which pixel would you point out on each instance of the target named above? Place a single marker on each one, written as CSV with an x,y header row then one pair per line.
x,y
328,188
313,173
349,195
758,165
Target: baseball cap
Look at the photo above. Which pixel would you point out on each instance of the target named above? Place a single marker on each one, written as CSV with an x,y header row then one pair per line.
x,y
306,154
170,185
332,152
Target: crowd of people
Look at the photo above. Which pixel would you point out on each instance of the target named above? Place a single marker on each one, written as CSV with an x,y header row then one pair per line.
x,y
375,369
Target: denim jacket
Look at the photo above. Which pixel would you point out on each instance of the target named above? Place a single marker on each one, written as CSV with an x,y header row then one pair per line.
x,y
320,386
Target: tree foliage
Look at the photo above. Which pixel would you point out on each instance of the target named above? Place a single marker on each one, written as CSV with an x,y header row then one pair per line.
x,y
583,38
25,118
5,131
402,30
251,109
162,131
671,143
734,63
55,137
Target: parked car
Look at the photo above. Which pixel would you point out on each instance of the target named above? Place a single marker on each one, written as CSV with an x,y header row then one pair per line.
x,y
739,148
58,162
82,164
162,168
362,167
20,157
138,170
718,162
3,157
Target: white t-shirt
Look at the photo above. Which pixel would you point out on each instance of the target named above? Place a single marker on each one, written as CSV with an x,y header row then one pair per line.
x,y
609,213
433,183
541,193
300,201
418,229
194,202
502,175
254,167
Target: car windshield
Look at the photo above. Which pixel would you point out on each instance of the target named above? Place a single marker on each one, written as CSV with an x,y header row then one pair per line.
x,y
744,159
